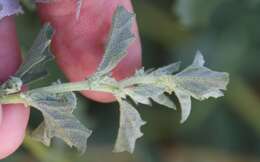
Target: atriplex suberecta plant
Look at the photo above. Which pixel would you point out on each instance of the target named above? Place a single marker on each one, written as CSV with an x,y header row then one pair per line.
x,y
57,101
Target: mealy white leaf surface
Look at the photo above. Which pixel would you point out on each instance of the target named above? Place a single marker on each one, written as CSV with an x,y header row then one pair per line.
x,y
199,81
119,40
198,60
165,101
143,93
167,70
58,119
185,102
129,128
34,66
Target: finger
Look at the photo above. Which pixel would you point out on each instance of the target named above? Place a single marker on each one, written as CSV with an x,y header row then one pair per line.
x,y
14,121
0,114
14,117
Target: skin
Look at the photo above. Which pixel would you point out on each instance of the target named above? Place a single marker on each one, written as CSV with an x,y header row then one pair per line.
x,y
13,118
79,44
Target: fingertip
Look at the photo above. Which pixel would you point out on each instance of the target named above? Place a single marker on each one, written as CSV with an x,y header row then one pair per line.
x,y
12,128
0,114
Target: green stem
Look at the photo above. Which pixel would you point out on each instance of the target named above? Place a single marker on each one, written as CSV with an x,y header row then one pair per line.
x,y
138,80
75,86
65,87
12,99
94,85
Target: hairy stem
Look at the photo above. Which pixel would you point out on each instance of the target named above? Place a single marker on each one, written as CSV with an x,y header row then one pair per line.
x,y
77,86
12,99
81,86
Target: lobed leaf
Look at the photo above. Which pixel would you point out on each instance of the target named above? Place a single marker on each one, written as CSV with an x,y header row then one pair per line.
x,y
199,82
119,40
129,128
58,118
34,66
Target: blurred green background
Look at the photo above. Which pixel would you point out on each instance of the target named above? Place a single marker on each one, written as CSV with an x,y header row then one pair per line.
x,y
223,130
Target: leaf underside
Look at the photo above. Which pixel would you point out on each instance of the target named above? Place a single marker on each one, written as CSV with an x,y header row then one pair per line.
x,y
129,128
119,40
199,82
34,67
58,119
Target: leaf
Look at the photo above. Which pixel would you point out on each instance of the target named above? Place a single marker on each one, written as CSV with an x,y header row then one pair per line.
x,y
129,129
39,72
143,93
62,101
185,102
58,119
119,40
201,82
165,101
167,70
34,65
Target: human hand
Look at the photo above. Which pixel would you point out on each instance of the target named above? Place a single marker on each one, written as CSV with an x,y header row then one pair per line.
x,y
13,118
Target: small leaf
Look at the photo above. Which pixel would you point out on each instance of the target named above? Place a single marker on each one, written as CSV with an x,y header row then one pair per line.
x,y
119,40
185,102
34,65
165,101
167,70
58,118
129,129
143,93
